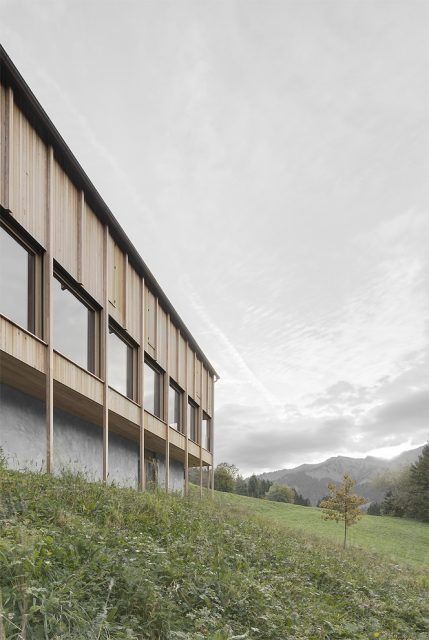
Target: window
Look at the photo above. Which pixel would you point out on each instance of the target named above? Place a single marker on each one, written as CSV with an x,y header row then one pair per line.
x,y
175,408
152,390
206,432
74,325
121,359
192,421
20,276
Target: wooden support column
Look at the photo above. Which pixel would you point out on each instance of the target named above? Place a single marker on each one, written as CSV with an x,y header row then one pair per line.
x,y
166,417
185,423
200,421
48,317
212,434
104,354
142,471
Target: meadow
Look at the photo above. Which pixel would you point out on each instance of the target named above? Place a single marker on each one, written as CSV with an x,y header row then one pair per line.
x,y
82,561
398,539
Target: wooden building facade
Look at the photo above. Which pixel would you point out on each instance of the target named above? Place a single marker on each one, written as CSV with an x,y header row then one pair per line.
x,y
85,330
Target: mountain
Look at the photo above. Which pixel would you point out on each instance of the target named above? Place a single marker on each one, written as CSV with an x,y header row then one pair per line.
x,y
311,480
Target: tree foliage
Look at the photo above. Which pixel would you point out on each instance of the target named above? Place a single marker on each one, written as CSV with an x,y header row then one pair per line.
x,y
343,505
225,476
407,491
280,493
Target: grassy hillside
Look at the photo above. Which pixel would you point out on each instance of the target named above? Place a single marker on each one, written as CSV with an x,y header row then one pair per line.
x,y
401,540
83,561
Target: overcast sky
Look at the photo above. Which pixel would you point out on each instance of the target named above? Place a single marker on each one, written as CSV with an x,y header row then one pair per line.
x,y
270,162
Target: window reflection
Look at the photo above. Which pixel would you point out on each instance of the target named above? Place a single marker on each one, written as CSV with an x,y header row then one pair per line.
x,y
205,432
16,281
192,422
174,408
120,365
152,390
74,326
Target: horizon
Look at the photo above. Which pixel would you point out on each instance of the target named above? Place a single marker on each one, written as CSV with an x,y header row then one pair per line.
x,y
289,143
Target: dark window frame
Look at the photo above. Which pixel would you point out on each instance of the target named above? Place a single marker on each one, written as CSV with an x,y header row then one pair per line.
x,y
94,313
173,385
132,356
208,434
195,407
159,393
34,272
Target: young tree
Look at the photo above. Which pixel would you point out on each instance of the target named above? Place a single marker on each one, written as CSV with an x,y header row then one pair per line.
x,y
224,477
280,493
343,505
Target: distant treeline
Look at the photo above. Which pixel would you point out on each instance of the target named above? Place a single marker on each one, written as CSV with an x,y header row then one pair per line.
x,y
406,493
227,478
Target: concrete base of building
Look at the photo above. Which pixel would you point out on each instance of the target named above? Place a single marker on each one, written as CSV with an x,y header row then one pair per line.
x,y
78,445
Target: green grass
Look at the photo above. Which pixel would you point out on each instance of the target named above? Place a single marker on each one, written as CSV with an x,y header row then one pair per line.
x,y
399,539
81,561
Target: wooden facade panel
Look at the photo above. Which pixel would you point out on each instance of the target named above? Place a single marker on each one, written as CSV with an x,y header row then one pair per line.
x,y
92,254
150,323
194,449
204,394
210,395
173,352
3,149
28,176
133,302
177,439
123,407
22,345
161,337
66,203
182,361
207,457
116,279
76,378
198,366
191,372
155,426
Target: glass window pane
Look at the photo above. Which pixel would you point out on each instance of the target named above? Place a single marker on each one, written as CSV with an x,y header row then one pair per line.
x,y
205,432
152,390
118,358
14,289
174,408
192,422
70,325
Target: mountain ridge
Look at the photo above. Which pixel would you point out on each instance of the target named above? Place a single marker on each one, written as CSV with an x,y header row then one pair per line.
x,y
311,480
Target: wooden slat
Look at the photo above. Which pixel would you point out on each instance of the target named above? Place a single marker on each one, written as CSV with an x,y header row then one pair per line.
x,y
66,207
92,255
80,235
26,173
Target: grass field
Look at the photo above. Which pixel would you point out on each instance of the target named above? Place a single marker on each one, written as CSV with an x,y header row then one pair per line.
x,y
84,561
401,540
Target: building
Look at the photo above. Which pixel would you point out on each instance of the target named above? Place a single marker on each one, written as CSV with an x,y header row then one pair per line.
x,y
98,372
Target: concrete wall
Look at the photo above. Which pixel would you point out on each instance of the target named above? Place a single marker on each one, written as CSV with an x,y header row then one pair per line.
x,y
78,444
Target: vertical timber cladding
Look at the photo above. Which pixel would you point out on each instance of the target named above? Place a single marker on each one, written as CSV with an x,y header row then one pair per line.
x,y
24,170
37,191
